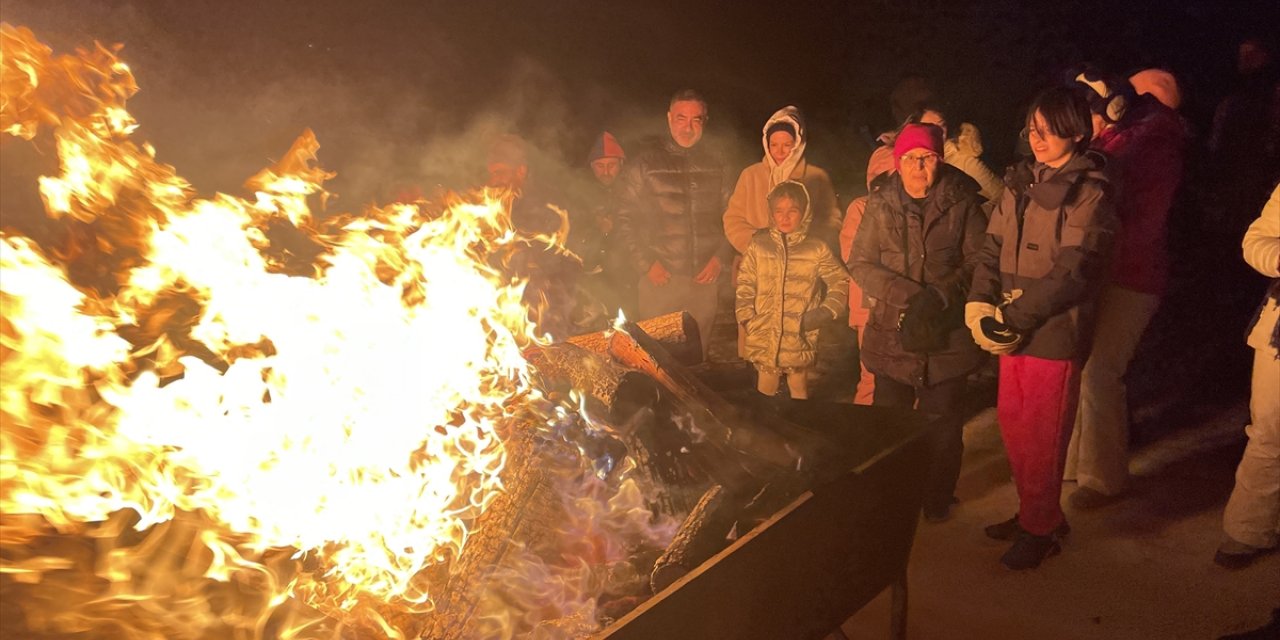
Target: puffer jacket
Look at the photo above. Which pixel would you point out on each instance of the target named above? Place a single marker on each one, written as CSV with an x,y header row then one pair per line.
x,y
670,207
903,247
1262,251
1145,157
1048,244
782,277
858,312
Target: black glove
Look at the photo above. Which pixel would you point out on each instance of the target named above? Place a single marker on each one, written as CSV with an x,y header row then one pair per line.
x,y
922,326
814,319
923,306
998,332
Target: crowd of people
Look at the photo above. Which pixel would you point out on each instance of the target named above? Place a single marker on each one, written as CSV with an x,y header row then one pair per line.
x,y
1056,269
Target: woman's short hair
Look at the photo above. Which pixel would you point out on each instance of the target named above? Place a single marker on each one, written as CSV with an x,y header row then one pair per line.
x,y
790,189
1066,112
917,117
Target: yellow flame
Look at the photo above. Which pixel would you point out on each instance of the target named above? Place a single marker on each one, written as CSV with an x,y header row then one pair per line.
x,y
366,427
352,415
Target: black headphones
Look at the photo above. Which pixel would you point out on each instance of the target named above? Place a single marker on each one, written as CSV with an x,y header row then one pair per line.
x,y
1106,100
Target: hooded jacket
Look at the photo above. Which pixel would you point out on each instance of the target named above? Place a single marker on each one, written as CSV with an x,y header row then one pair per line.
x,y
748,210
1145,157
1047,248
782,277
669,209
903,247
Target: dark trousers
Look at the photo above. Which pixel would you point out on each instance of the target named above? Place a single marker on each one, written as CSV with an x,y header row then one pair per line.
x,y
945,400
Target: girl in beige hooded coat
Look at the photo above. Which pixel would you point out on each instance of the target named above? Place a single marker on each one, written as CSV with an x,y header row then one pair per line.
x,y
784,139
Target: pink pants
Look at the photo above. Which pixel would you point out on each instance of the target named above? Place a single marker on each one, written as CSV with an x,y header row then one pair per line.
x,y
1037,410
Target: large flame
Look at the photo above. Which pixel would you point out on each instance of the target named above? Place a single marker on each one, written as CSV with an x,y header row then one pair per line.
x,y
353,413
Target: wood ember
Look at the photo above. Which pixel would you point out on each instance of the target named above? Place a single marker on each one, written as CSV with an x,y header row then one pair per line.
x,y
676,332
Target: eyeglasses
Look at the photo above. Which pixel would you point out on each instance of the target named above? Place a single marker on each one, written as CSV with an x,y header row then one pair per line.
x,y
921,161
1028,133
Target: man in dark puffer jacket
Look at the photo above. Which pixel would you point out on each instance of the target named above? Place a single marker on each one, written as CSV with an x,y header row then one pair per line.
x,y
669,220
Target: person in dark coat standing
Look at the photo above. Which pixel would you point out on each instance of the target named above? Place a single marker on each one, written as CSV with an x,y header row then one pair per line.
x,y
914,256
669,220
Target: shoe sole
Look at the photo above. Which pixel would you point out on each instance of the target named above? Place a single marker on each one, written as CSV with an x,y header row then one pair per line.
x,y
1053,551
1061,532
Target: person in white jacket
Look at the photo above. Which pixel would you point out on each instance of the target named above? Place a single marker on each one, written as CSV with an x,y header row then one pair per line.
x,y
1251,521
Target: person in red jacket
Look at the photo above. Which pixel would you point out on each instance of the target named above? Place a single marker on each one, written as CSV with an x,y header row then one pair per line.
x,y
1144,142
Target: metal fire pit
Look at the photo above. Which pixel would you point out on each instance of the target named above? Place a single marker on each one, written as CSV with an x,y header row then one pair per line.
x,y
820,559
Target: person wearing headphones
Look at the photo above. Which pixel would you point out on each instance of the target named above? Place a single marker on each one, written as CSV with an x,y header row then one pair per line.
x,y
1144,141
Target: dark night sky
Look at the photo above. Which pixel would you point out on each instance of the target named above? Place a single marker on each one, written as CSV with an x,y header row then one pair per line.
x,y
405,92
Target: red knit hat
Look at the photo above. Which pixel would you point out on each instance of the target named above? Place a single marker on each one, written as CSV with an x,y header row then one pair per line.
x,y
606,146
917,136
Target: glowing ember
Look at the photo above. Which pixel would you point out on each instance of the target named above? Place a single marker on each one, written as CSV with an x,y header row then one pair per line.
x,y
355,418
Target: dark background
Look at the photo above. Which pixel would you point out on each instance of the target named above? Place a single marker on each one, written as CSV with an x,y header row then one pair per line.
x,y
408,93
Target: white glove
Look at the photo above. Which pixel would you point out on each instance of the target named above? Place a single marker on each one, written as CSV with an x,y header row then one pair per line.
x,y
974,312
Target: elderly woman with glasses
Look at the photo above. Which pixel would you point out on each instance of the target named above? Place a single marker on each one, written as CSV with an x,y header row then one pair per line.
x,y
913,256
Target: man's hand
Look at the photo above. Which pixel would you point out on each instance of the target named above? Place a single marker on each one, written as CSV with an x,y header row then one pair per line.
x,y
658,274
710,272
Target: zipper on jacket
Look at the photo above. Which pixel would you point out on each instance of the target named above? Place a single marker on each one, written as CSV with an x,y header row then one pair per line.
x,y
1019,216
782,302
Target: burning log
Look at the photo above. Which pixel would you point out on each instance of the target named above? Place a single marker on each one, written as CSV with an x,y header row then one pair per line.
x,y
676,332
702,534
517,519
612,391
733,448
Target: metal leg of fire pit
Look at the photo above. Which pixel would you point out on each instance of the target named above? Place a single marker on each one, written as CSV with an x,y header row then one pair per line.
x,y
898,608
897,612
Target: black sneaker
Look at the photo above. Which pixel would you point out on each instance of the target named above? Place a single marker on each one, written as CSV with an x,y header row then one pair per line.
x,y
1028,551
1234,554
936,513
1011,528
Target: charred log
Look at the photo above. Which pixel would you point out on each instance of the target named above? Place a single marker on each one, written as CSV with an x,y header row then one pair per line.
x,y
737,452
702,534
612,391
676,332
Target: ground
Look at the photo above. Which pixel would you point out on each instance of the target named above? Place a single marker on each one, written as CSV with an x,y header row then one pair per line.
x,y
1138,569
1141,568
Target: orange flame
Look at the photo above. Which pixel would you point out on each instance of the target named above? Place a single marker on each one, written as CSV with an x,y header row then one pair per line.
x,y
351,418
